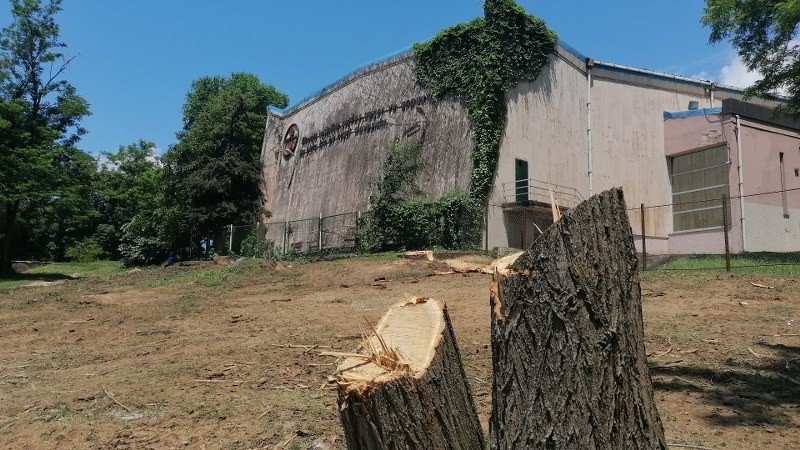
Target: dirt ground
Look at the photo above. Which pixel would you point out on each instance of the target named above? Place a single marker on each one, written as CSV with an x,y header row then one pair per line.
x,y
229,357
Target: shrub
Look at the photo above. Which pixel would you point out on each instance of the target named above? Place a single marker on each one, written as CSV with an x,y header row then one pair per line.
x,y
144,240
254,247
84,251
401,217
460,224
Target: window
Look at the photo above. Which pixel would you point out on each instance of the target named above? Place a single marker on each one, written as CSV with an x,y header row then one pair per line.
x,y
521,180
699,180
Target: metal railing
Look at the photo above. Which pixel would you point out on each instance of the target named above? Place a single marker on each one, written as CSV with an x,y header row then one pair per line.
x,y
537,191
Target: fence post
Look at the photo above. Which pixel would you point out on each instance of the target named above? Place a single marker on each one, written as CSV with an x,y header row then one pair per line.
x,y
725,232
358,225
230,241
319,228
486,228
524,228
644,241
285,235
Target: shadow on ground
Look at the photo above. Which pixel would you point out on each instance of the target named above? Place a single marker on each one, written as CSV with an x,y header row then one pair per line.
x,y
743,393
33,277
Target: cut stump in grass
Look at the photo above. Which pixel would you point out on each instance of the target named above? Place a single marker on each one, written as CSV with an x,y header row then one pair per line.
x,y
568,354
408,389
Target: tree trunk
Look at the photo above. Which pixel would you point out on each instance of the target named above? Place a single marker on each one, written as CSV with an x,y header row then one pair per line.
x,y
409,389
11,209
567,342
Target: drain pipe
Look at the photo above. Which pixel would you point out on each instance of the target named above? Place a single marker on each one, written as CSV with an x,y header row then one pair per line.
x,y
711,89
741,178
589,65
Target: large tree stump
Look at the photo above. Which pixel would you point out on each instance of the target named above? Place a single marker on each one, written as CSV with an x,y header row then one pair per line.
x,y
409,389
567,341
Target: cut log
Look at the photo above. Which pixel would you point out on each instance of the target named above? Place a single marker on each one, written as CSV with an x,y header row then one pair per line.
x,y
568,355
408,389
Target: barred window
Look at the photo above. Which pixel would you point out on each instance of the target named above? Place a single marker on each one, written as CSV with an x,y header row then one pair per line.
x,y
699,180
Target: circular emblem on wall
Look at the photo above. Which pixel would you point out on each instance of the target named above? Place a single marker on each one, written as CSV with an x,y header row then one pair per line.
x,y
290,140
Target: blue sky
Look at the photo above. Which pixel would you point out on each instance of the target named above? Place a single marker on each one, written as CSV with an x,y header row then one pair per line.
x,y
137,58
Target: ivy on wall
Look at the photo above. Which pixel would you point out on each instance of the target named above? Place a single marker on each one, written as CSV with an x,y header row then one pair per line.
x,y
479,62
402,217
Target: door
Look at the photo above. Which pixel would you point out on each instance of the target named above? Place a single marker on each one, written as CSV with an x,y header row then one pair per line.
x,y
521,180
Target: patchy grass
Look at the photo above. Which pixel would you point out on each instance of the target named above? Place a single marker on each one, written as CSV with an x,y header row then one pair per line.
x,y
230,357
216,276
54,272
747,264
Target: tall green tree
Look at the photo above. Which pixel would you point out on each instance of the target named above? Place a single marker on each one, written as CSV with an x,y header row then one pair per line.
x,y
40,112
130,181
763,32
214,169
47,227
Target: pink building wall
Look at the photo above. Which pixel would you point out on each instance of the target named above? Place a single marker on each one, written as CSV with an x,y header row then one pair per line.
x,y
760,216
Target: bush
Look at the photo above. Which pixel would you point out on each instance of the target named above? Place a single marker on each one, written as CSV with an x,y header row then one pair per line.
x,y
461,226
144,240
107,237
452,222
84,251
401,218
253,247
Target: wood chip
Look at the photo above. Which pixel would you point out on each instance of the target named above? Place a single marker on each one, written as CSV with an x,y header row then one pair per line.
x,y
117,401
763,286
264,413
216,380
304,347
668,365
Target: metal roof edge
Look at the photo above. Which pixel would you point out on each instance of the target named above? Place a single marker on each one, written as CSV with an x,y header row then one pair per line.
x,y
562,47
359,71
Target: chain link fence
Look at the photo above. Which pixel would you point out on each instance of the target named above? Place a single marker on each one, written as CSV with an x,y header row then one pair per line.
x,y
325,234
706,234
722,233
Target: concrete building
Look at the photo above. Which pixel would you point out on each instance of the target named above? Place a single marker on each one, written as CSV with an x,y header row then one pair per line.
x,y
580,127
747,152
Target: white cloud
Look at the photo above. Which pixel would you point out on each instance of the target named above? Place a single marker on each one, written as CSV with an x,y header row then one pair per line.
x,y
736,74
702,75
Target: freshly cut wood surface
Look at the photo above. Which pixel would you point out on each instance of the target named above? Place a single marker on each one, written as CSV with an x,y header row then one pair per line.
x,y
407,388
412,329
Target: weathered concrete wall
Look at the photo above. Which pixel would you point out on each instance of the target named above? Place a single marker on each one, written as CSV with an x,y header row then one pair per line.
x,y
343,138
344,132
694,133
547,126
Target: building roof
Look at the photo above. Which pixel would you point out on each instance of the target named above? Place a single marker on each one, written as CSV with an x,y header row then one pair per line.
x,y
577,59
736,107
760,113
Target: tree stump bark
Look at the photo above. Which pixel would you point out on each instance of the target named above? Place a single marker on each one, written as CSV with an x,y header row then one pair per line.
x,y
409,389
570,368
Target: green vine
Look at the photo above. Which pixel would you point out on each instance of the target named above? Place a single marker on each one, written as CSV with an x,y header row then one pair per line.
x,y
479,62
402,217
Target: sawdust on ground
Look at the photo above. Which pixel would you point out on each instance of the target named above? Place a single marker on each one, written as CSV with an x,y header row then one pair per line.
x,y
229,357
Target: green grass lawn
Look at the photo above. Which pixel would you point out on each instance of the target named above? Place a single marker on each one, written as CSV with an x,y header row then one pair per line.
x,y
748,264
61,271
